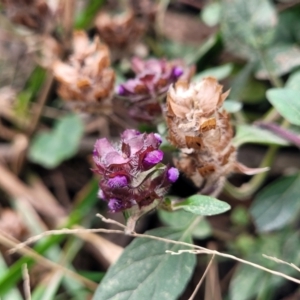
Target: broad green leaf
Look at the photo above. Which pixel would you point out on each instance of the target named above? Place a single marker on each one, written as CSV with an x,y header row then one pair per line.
x,y
287,103
293,81
211,14
203,205
146,271
255,135
232,106
182,219
277,205
249,282
219,73
50,148
245,88
248,25
281,59
288,28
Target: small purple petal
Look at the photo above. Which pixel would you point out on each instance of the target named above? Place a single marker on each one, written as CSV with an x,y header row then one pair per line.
x,y
177,72
129,133
158,138
120,90
101,195
173,174
153,157
117,182
115,205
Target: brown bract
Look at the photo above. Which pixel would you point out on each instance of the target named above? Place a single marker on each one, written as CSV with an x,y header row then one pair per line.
x,y
86,78
201,129
121,32
34,14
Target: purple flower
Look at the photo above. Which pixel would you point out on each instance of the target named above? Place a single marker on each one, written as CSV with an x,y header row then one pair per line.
x,y
153,78
172,174
152,158
127,177
115,205
177,72
117,182
158,137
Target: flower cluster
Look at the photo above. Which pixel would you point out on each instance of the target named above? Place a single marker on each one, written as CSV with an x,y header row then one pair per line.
x,y
87,77
131,173
33,14
153,78
201,129
120,32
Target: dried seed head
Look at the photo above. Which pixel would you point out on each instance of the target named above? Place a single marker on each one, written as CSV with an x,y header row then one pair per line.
x,y
87,77
153,78
130,174
194,116
33,14
202,130
121,32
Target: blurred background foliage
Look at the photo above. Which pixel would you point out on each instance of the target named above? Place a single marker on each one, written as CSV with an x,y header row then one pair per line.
x,y
253,48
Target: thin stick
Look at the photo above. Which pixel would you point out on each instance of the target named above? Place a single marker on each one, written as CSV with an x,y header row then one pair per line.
x,y
110,221
26,283
246,262
59,232
11,243
202,278
281,261
196,250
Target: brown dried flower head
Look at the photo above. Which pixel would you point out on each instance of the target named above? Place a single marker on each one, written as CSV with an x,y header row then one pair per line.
x,y
87,77
121,31
34,14
201,129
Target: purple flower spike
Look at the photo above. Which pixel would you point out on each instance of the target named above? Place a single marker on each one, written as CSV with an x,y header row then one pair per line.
x,y
177,72
173,174
117,182
115,205
127,179
153,157
158,138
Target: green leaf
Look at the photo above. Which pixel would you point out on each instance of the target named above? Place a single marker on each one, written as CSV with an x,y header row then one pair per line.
x,y
240,216
14,293
248,25
281,59
255,135
86,16
51,148
288,28
146,271
245,88
211,14
287,103
249,282
203,205
232,106
293,81
219,73
277,205
182,219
